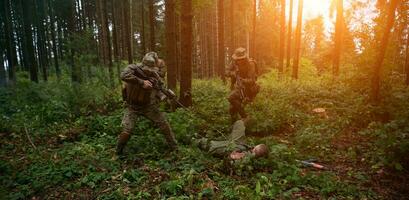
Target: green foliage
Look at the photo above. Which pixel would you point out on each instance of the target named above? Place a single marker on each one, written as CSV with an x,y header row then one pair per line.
x,y
74,129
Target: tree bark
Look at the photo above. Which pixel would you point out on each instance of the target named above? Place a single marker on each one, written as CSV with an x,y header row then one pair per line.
x,y
143,38
407,60
220,37
289,35
108,40
298,39
114,31
129,37
282,37
170,35
232,26
11,45
152,15
29,54
53,39
186,62
338,37
382,50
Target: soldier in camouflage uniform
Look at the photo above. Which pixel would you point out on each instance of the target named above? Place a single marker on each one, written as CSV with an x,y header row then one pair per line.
x,y
242,70
142,100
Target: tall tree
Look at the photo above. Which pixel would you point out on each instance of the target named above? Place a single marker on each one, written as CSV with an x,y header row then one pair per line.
x,y
170,43
298,39
407,59
282,37
128,29
339,26
253,43
152,15
232,27
10,42
108,40
382,50
30,59
186,54
143,40
220,37
289,35
53,39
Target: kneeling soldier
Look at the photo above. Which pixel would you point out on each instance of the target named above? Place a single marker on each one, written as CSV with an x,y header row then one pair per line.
x,y
142,100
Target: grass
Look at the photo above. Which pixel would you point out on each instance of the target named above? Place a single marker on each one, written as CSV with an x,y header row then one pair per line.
x,y
74,132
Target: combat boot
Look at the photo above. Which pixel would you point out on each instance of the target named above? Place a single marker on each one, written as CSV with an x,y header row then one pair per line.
x,y
122,140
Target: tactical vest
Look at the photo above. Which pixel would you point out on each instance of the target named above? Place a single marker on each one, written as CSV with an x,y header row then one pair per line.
x,y
135,94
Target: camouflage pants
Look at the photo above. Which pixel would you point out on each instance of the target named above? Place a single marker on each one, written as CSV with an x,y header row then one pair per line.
x,y
236,105
152,113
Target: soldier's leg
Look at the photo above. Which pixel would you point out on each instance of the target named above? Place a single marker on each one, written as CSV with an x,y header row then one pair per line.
x,y
158,118
235,106
128,122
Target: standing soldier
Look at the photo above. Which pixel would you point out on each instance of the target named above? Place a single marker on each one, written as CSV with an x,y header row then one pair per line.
x,y
243,72
142,100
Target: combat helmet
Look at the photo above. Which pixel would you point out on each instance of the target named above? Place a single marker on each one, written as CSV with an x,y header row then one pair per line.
x,y
150,59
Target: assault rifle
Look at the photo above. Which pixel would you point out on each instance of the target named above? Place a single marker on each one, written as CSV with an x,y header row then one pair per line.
x,y
157,83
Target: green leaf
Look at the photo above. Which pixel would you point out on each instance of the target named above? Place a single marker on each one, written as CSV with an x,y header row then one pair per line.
x,y
258,187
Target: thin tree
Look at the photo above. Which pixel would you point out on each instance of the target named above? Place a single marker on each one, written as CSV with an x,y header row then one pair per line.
x,y
143,41
298,39
53,39
338,37
289,35
407,60
152,15
108,40
220,37
170,43
30,59
282,36
129,38
186,54
253,44
382,50
232,27
10,42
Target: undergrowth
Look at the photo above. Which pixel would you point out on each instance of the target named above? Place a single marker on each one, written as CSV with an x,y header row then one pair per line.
x,y
73,130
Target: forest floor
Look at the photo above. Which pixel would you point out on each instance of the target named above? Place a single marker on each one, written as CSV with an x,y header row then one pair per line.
x,y
59,143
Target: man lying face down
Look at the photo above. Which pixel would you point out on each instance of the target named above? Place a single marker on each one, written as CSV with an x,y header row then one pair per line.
x,y
234,147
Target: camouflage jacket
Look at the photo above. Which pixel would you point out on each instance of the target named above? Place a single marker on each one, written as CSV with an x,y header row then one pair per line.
x,y
132,90
246,72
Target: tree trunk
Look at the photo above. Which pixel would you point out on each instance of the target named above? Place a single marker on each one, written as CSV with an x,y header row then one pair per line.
x,y
10,46
220,37
29,53
143,38
232,26
282,37
53,39
186,62
128,30
114,31
382,50
170,43
41,37
298,39
108,40
152,15
338,37
407,60
253,43
289,35
75,69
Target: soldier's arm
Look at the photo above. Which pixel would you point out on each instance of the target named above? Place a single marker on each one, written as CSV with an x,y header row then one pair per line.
x,y
127,75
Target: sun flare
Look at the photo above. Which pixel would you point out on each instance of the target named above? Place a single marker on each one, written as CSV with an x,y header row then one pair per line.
x,y
314,8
